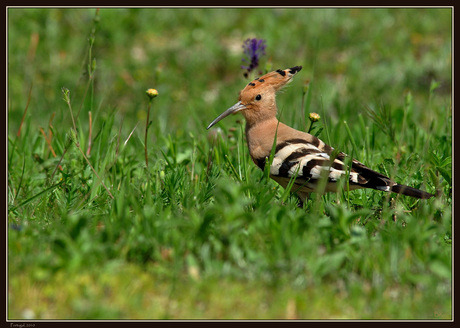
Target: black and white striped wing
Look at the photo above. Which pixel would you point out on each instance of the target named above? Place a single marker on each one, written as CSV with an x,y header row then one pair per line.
x,y
309,165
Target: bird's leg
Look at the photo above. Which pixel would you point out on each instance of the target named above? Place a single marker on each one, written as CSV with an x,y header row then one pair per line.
x,y
302,198
300,203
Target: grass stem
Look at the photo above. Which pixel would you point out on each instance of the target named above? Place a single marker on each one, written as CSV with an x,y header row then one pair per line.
x,y
147,124
25,110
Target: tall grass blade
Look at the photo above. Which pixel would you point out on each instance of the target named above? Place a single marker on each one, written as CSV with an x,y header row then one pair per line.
x,y
27,201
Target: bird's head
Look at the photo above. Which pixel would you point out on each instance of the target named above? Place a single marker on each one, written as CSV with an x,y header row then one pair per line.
x,y
257,99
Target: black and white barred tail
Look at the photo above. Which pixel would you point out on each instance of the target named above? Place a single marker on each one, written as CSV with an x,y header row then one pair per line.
x,y
409,191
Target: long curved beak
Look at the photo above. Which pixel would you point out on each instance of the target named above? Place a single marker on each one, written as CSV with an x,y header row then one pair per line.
x,y
232,110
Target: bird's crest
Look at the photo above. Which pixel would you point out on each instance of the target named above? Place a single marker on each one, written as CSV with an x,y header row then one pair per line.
x,y
274,80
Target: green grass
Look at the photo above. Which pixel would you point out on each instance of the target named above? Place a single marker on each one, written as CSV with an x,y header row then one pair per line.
x,y
201,233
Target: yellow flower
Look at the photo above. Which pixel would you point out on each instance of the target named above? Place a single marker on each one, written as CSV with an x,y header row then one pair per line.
x,y
152,93
314,117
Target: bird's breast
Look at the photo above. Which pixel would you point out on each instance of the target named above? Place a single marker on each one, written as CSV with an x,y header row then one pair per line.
x,y
260,142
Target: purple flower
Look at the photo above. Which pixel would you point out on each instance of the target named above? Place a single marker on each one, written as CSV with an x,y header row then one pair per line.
x,y
253,50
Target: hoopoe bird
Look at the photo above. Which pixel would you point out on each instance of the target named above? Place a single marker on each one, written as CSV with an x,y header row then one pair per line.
x,y
299,155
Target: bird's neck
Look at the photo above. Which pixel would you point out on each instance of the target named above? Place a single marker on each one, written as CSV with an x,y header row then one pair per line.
x,y
260,137
256,116
262,128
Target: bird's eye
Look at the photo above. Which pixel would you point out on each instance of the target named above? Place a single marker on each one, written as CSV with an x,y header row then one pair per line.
x,y
258,97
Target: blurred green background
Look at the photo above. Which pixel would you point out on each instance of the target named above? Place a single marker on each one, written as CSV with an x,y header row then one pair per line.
x,y
200,233
193,57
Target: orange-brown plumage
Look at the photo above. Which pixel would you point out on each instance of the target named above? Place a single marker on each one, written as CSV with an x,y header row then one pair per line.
x,y
298,155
